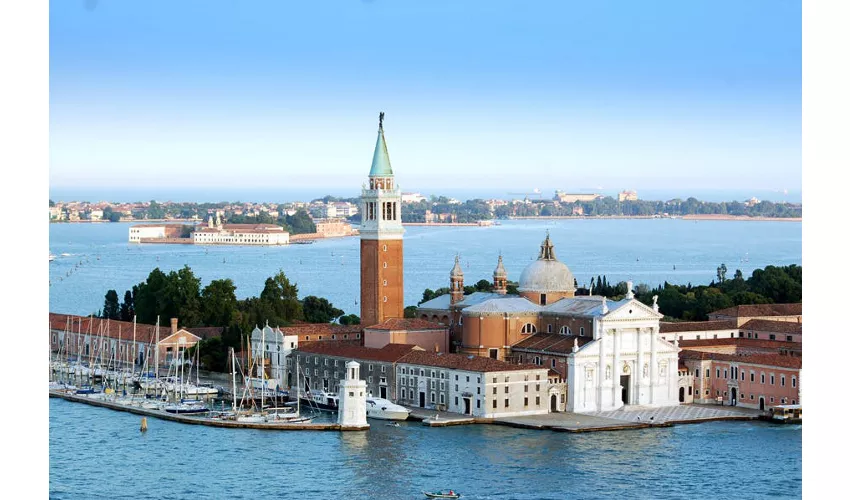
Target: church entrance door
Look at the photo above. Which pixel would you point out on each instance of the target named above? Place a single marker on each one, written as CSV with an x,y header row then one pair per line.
x,y
553,405
624,381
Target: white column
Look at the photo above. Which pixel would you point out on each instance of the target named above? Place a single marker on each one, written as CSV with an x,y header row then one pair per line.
x,y
639,368
616,393
601,377
653,361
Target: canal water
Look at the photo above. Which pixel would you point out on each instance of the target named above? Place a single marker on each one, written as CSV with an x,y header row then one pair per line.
x,y
99,453
648,251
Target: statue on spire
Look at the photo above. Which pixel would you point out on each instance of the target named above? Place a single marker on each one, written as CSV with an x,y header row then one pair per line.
x,y
381,120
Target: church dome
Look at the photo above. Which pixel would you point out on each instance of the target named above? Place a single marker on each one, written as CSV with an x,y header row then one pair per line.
x,y
547,274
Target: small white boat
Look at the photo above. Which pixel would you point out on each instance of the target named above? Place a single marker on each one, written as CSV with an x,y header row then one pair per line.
x,y
441,494
787,414
385,410
52,257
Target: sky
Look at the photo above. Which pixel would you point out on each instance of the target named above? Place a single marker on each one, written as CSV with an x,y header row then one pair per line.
x,y
502,96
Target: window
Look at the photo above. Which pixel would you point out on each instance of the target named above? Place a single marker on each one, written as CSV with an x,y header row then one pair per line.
x,y
525,388
782,380
793,381
696,373
383,368
542,299
762,378
565,330
581,332
707,373
443,399
698,337
506,389
495,391
494,404
752,376
494,380
507,402
725,373
456,388
467,378
456,403
549,328
478,403
690,391
788,338
525,401
772,380
537,400
771,399
479,390
772,337
553,362
433,398
528,328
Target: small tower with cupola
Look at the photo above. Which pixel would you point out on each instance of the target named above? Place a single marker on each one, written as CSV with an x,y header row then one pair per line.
x,y
500,278
456,282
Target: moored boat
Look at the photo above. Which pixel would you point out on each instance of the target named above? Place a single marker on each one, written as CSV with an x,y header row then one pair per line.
x,y
321,399
384,409
787,414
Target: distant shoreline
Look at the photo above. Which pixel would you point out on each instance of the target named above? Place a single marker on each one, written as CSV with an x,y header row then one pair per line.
x,y
683,217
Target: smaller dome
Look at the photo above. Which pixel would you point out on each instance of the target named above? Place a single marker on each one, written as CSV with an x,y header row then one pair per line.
x,y
500,270
457,272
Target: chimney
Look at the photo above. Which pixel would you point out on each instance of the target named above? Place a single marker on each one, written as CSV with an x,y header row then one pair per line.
x,y
173,325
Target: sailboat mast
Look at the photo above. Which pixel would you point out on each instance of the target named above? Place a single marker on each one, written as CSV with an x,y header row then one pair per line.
x,y
233,363
134,344
263,369
156,351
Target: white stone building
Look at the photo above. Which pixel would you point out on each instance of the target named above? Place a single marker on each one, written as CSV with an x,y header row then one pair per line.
x,y
625,363
138,232
274,346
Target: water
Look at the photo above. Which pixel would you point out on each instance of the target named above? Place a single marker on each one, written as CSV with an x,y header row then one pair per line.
x,y
99,453
644,251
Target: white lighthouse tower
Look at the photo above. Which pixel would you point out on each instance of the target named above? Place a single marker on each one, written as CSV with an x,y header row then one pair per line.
x,y
352,398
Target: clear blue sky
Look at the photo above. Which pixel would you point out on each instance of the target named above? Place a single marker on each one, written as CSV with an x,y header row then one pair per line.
x,y
513,95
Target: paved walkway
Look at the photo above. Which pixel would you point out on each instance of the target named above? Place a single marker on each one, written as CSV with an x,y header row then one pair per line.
x,y
681,413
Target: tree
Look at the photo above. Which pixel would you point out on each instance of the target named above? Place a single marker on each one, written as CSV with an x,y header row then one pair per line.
x,y
349,319
281,298
111,309
721,273
218,303
483,286
410,312
300,222
319,310
127,310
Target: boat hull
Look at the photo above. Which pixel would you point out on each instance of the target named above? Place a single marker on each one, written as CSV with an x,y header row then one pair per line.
x,y
387,414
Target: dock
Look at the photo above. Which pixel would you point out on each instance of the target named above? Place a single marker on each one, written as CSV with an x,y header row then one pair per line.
x,y
194,420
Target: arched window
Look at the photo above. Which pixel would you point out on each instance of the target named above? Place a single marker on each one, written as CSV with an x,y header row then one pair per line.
x,y
565,330
528,328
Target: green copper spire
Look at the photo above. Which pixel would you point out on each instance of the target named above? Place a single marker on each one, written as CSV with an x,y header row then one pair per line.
x,y
381,159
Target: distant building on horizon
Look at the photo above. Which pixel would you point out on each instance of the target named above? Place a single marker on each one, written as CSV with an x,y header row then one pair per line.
x,y
627,196
574,197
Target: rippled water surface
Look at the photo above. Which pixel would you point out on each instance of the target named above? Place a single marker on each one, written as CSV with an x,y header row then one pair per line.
x,y
644,251
100,453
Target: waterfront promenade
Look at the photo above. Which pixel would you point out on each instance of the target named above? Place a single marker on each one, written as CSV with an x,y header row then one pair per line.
x,y
629,417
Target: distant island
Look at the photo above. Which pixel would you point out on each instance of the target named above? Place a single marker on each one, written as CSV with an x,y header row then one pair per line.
x,y
299,216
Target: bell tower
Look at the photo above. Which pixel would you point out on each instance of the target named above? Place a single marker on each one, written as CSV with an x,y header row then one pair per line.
x,y
381,245
500,278
456,282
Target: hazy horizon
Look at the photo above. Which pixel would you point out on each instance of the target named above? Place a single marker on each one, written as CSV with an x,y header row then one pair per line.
x,y
477,95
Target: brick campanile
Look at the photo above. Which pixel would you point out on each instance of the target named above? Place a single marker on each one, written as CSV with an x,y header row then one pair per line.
x,y
381,245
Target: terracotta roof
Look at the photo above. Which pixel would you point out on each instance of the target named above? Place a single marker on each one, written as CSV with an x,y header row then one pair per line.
x,y
778,360
696,326
390,353
551,342
737,342
462,362
406,324
319,329
762,310
109,328
765,325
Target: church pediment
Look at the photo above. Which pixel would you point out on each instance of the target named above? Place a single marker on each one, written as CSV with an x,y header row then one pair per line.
x,y
633,310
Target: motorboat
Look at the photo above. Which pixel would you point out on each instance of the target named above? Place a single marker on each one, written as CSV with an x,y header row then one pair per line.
x,y
384,409
187,407
321,399
787,414
442,494
86,390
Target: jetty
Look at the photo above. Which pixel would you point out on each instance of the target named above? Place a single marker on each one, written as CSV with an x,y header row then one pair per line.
x,y
208,421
